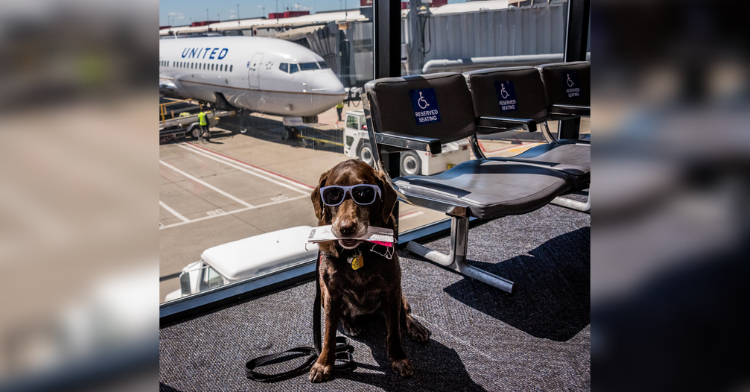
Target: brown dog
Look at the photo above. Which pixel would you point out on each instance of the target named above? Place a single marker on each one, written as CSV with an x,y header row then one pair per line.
x,y
375,284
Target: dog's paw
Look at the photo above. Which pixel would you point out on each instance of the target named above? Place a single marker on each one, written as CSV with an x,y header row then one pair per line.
x,y
416,331
320,373
350,328
402,367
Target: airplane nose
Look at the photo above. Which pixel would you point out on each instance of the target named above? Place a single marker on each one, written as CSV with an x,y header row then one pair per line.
x,y
330,89
328,83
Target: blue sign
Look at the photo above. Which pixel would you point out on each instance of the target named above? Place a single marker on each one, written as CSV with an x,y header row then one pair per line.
x,y
424,103
572,88
506,96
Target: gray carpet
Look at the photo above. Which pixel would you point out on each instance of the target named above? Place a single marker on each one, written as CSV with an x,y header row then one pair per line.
x,y
482,339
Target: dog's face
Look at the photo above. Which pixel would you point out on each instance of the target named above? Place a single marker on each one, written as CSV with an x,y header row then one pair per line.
x,y
350,219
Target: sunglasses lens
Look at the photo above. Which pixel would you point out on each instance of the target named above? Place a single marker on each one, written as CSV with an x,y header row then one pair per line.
x,y
363,194
333,196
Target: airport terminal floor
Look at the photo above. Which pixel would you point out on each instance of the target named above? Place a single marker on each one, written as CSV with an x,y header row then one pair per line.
x,y
538,338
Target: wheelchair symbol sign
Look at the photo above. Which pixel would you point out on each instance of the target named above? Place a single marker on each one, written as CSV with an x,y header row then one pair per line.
x,y
421,102
572,88
424,103
503,93
506,96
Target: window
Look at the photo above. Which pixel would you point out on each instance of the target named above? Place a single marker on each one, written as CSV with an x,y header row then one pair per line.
x,y
231,67
308,66
212,67
352,122
293,68
323,65
284,67
211,279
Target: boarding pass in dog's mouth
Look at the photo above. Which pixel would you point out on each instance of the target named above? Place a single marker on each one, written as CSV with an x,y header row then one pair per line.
x,y
378,235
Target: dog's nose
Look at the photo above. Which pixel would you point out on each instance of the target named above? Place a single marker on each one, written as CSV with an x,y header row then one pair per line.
x,y
347,228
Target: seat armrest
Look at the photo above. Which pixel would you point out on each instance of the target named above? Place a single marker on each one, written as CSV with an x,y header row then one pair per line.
x,y
507,123
409,142
570,110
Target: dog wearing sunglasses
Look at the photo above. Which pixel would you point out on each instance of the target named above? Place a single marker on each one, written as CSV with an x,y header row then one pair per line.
x,y
358,277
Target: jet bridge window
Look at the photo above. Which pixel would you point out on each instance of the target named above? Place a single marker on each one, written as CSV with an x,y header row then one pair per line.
x,y
308,66
284,67
293,68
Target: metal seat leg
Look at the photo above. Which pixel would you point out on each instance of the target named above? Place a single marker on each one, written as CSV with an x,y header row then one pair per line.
x,y
456,259
572,204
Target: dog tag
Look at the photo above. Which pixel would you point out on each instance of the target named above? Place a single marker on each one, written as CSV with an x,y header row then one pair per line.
x,y
358,262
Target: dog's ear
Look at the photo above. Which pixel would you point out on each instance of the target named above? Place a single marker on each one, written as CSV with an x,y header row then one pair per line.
x,y
320,209
389,195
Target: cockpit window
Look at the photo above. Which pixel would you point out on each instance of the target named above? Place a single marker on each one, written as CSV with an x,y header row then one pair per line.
x,y
323,65
308,66
293,68
284,67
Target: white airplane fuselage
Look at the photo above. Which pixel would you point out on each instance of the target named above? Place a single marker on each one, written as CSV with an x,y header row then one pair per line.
x,y
259,74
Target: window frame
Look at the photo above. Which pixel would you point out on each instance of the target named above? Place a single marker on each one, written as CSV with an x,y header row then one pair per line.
x,y
386,63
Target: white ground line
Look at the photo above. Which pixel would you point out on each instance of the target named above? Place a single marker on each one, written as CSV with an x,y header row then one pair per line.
x,y
173,212
207,185
248,169
231,212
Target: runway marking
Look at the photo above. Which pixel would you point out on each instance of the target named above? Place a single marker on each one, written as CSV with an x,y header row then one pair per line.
x,y
208,155
207,185
300,184
173,212
220,159
410,215
232,212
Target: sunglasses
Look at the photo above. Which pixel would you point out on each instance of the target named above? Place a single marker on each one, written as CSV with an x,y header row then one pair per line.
x,y
363,194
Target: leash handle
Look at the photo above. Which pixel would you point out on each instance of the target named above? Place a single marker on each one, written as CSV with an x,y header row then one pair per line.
x,y
343,352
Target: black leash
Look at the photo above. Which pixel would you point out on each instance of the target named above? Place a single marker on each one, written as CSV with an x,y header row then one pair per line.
x,y
343,349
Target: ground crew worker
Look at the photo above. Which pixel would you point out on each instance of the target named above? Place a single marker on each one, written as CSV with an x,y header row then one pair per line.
x,y
339,109
203,122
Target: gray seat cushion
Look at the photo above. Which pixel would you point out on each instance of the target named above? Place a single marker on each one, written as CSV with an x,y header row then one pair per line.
x,y
489,188
572,159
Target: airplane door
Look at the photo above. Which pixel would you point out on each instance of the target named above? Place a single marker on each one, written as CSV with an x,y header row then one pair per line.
x,y
254,70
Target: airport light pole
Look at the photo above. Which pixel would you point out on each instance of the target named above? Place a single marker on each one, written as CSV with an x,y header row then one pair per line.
x,y
207,15
262,11
238,14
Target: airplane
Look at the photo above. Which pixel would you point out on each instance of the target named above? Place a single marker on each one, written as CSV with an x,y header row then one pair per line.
x,y
258,74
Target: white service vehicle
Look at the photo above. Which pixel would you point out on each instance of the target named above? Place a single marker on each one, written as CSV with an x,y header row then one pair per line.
x,y
246,258
357,145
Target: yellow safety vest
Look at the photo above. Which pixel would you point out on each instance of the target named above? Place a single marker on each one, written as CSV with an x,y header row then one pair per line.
x,y
340,105
202,118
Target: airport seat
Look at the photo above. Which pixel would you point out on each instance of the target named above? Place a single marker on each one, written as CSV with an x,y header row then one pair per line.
x,y
567,87
514,98
424,112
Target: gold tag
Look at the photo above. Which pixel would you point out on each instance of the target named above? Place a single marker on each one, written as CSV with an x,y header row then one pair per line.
x,y
358,262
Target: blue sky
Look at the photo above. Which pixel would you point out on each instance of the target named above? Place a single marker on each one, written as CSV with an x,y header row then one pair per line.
x,y
181,11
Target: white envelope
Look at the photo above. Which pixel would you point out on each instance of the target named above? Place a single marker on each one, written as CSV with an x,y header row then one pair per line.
x,y
374,234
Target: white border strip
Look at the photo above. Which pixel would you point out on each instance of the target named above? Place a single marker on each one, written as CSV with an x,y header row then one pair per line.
x,y
173,212
207,185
